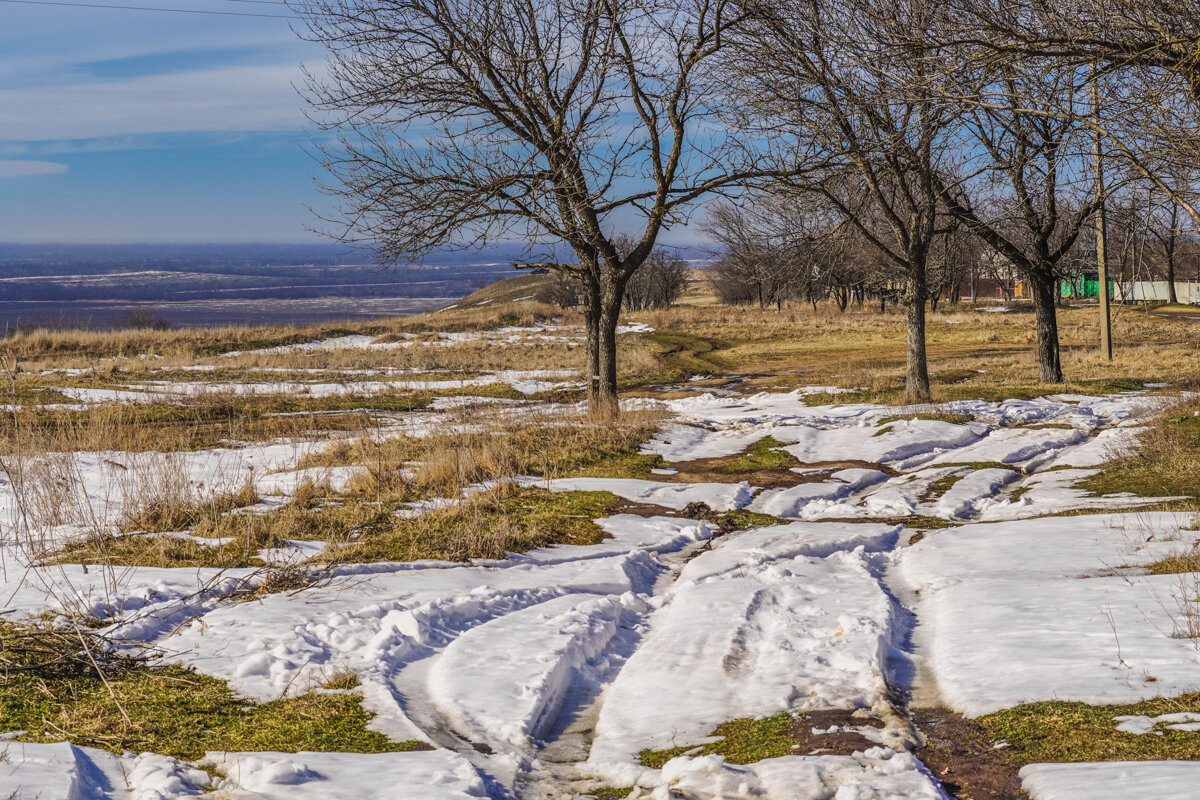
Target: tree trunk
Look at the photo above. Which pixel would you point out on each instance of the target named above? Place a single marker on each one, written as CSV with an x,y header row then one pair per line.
x,y
1041,285
591,316
842,295
606,404
916,380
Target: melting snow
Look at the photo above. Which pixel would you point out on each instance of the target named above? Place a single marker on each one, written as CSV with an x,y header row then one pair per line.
x,y
1114,780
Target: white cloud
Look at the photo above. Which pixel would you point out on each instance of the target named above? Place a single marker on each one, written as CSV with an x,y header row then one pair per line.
x,y
250,98
13,168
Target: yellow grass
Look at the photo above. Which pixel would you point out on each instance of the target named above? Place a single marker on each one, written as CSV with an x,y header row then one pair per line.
x,y
987,354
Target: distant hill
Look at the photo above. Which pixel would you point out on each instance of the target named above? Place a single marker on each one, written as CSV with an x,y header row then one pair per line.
x,y
505,290
526,287
254,284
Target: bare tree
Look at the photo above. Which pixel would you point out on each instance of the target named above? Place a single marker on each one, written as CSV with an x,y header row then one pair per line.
x,y
1145,52
459,122
754,263
1118,33
851,84
1026,188
563,291
1166,226
658,284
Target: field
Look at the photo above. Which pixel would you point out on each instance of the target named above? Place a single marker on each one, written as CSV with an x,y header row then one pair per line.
x,y
395,558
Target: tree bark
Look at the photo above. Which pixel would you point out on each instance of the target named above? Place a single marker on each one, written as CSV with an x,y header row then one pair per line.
x,y
842,295
1041,285
916,293
606,404
591,316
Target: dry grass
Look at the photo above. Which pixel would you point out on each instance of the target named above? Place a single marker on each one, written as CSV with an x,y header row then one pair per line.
x,y
489,525
165,508
460,359
193,424
369,522
146,349
971,354
168,550
443,465
1164,462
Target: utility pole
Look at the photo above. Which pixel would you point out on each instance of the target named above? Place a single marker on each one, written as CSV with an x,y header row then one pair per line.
x,y
1106,349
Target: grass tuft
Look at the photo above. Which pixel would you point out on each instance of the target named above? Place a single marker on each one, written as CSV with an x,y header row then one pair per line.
x,y
171,710
1059,731
742,741
1164,462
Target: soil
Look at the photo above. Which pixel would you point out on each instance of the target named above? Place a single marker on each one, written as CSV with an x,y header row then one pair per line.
x,y
844,742
716,470
960,754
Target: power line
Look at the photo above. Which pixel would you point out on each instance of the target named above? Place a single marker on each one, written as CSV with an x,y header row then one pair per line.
x,y
147,8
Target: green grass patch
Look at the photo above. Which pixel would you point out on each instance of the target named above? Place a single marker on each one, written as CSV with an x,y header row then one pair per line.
x,y
763,454
1059,731
740,520
611,794
168,550
743,741
683,355
1041,426
174,711
920,522
974,465
489,525
941,486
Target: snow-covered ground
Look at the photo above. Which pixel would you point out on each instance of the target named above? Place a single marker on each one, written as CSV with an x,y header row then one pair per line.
x,y
1053,608
524,381
660,633
1114,780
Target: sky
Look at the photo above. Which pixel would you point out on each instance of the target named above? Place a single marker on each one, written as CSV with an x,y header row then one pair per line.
x,y
128,126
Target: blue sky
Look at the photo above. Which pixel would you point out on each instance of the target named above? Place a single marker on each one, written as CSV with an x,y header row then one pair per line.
x,y
125,126
122,126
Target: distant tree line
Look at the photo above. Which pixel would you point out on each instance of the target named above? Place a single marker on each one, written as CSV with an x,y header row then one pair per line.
x,y
892,150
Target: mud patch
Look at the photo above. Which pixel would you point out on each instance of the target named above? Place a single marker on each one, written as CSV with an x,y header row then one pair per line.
x,y
719,470
833,732
964,758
